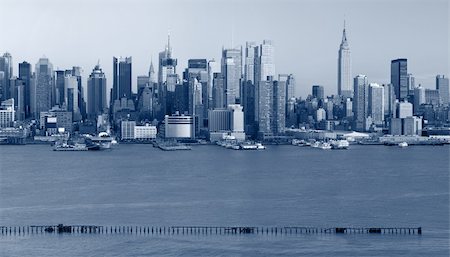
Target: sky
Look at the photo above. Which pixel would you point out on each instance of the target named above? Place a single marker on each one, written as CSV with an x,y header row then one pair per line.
x,y
306,34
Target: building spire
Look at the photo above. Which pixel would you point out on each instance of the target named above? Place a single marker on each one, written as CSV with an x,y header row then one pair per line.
x,y
169,49
344,43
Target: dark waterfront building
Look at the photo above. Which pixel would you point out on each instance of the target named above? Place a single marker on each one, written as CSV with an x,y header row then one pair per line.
x,y
96,91
121,78
318,92
399,78
25,76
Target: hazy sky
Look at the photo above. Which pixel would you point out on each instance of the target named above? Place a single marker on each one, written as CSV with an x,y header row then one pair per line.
x,y
306,34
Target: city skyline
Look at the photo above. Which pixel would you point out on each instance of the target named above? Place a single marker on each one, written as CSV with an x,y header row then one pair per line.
x,y
310,58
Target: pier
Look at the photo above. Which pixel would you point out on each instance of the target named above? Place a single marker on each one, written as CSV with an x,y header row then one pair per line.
x,y
200,230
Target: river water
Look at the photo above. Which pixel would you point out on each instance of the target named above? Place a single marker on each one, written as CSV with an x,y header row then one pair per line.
x,y
365,186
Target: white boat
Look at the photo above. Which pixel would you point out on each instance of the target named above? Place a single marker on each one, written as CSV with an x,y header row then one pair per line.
x,y
340,144
325,146
315,144
259,146
403,144
248,146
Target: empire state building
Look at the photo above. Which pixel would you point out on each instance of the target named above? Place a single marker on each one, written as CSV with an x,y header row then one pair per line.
x,y
344,68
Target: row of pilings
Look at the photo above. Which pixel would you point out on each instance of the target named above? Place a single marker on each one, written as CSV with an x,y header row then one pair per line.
x,y
204,230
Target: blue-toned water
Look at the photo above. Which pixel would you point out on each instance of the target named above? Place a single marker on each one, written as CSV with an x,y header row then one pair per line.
x,y
366,186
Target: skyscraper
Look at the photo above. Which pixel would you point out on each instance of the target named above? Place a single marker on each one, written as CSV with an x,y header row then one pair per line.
x,y
43,87
6,71
376,103
344,68
279,107
251,55
96,90
318,92
419,98
121,78
264,68
167,64
360,102
72,94
232,73
399,78
25,76
443,87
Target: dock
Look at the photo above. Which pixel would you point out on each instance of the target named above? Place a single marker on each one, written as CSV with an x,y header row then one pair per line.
x,y
200,230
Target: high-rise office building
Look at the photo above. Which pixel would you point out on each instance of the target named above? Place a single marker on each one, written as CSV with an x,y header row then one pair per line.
x,y
399,78
419,98
96,92
279,107
231,66
411,81
167,64
265,106
25,76
404,109
376,103
43,87
360,102
6,72
264,68
213,67
318,92
344,68
432,97
443,86
266,61
121,78
389,100
251,55
59,87
290,87
72,94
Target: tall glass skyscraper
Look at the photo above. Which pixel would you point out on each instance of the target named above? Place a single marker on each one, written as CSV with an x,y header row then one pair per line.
x,y
344,68
360,102
232,73
43,92
121,78
25,76
399,78
443,87
6,72
96,92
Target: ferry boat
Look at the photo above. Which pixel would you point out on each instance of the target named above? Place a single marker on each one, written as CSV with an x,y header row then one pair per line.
x,y
252,146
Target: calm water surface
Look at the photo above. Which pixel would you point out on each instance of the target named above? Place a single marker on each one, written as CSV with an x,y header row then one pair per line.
x,y
365,186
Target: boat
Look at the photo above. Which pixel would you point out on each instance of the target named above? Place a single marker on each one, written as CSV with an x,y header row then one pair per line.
x,y
340,144
102,141
315,144
248,146
403,144
235,147
325,146
259,146
69,147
